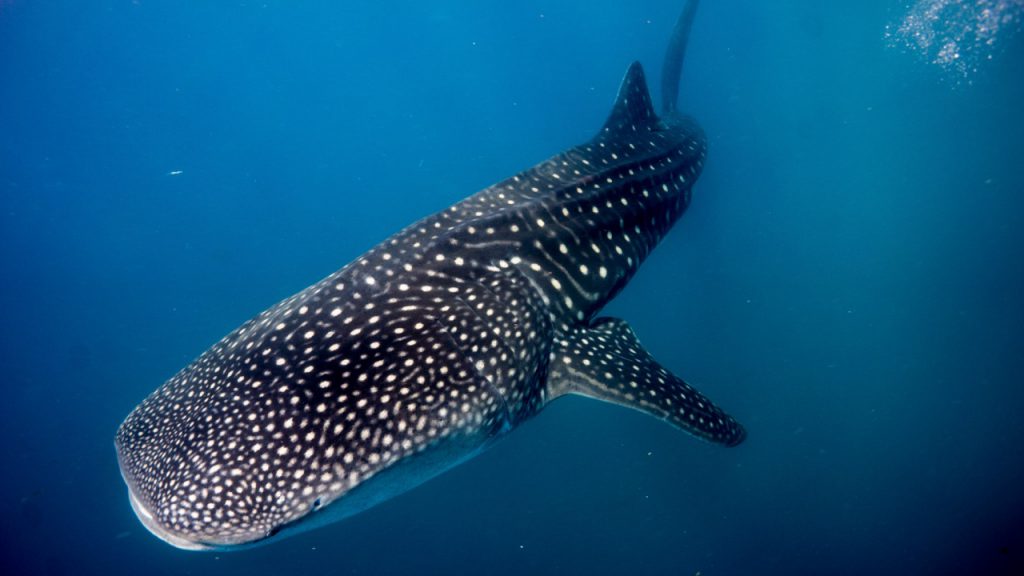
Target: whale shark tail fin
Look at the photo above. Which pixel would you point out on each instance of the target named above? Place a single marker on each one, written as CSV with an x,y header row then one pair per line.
x,y
607,362
672,67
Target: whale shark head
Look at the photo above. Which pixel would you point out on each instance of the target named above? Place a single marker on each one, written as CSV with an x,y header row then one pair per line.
x,y
196,463
318,408
257,436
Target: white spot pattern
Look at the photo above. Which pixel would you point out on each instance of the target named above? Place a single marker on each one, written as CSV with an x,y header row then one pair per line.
x,y
437,339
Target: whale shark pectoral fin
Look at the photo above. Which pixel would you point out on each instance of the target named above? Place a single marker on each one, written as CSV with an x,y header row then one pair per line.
x,y
633,110
607,362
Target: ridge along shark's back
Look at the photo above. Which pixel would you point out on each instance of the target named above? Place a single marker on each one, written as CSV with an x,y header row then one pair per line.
x,y
429,347
586,217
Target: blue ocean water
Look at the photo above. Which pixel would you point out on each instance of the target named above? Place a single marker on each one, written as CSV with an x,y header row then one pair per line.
x,y
848,281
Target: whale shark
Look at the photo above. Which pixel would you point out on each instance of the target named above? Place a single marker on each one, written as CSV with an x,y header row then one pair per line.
x,y
430,347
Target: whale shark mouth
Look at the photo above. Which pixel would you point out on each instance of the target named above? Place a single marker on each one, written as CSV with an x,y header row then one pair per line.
x,y
147,519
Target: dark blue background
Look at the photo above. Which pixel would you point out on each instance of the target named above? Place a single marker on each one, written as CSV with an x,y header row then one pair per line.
x,y
848,281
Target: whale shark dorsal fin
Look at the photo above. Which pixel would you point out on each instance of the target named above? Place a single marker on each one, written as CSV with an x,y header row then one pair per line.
x,y
633,110
607,362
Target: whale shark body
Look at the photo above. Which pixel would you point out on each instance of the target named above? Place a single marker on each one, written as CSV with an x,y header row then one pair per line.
x,y
431,346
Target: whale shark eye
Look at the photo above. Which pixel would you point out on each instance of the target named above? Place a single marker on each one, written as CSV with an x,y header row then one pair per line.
x,y
316,504
273,531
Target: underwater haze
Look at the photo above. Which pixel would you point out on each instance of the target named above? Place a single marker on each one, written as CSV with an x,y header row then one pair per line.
x,y
848,282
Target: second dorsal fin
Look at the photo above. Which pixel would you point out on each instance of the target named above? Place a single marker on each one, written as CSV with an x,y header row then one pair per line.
x,y
633,110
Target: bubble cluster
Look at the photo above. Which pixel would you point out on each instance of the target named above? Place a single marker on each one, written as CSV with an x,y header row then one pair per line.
x,y
956,35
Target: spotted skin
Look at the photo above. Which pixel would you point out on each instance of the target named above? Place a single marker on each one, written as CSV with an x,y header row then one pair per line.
x,y
426,349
